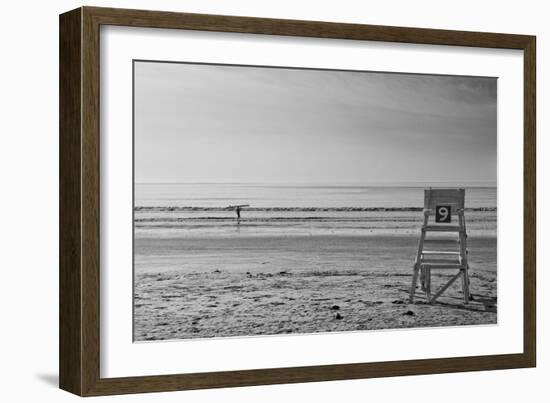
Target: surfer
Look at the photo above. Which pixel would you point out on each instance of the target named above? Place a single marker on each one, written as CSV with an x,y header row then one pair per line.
x,y
237,209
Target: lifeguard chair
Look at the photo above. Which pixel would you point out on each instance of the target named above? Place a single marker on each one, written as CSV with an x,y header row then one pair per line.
x,y
446,206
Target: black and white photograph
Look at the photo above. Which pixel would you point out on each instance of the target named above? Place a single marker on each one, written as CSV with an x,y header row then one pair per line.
x,y
278,200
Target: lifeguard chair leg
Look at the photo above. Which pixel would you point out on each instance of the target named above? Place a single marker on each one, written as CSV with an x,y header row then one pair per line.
x,y
466,285
427,281
422,277
416,269
417,263
464,259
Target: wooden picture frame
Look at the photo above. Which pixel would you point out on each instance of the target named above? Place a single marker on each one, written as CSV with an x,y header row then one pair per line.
x,y
79,280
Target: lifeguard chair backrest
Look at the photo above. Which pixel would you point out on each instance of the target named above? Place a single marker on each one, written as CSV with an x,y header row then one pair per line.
x,y
453,197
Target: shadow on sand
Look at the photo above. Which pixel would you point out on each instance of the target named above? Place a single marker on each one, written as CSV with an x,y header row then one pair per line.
x,y
489,303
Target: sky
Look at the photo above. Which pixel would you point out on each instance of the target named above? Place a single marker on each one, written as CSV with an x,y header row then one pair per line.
x,y
212,123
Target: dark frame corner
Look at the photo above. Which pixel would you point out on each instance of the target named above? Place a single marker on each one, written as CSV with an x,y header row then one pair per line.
x,y
79,285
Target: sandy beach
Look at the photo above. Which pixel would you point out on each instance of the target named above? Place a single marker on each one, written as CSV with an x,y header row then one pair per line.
x,y
275,273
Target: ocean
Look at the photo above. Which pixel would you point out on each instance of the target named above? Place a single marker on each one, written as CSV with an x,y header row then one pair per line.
x,y
299,196
201,210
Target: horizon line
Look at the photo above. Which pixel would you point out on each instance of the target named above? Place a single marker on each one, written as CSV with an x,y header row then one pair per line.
x,y
417,183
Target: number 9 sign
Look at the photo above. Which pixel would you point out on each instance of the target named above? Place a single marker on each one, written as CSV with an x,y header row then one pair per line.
x,y
443,214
